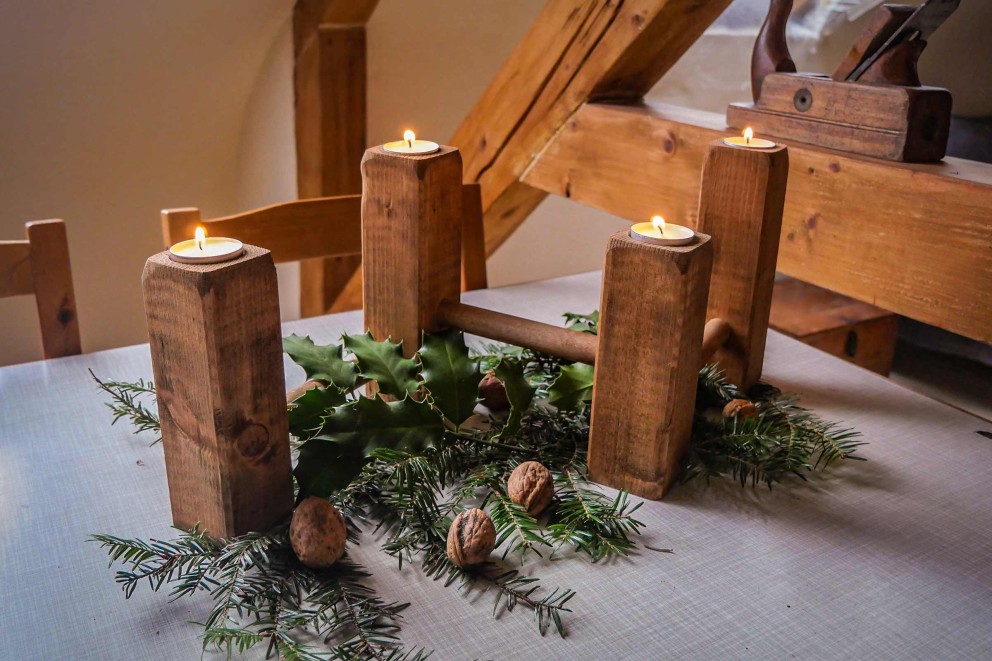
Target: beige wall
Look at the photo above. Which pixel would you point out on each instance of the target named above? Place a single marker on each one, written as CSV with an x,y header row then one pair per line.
x,y
113,109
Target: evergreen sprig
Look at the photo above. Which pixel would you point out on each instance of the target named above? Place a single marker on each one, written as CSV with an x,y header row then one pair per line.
x,y
410,463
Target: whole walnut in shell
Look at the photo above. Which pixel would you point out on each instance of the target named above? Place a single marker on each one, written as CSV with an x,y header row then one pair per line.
x,y
317,533
492,393
740,408
471,538
531,486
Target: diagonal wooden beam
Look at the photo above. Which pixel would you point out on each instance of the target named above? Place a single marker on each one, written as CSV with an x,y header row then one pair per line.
x,y
912,239
577,50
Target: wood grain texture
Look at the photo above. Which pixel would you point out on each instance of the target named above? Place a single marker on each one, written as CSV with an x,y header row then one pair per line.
x,y
576,50
650,337
910,124
547,338
860,226
473,239
742,194
303,229
330,90
412,241
53,291
217,359
851,330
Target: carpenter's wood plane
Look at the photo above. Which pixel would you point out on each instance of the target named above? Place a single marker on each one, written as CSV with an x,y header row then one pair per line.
x,y
873,104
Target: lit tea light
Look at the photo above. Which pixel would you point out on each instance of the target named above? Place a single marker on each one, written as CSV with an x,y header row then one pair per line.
x,y
206,250
748,140
410,145
660,233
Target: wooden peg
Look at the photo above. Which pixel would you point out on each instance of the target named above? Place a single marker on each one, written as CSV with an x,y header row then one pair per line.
x,y
740,205
647,362
217,359
411,240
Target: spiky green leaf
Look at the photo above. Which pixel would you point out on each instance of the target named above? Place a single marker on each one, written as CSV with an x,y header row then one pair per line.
x,y
383,362
308,410
450,374
572,389
519,392
321,362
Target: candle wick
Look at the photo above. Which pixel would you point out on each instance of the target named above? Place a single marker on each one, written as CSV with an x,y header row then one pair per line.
x,y
748,139
409,144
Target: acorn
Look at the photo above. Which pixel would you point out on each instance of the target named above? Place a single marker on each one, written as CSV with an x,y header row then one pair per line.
x,y
493,393
317,533
471,538
531,486
302,389
740,408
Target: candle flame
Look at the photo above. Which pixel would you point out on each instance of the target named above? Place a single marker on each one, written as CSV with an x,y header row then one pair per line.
x,y
201,236
659,224
409,136
748,134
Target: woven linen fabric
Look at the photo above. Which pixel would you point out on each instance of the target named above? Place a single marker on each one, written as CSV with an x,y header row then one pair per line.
x,y
884,559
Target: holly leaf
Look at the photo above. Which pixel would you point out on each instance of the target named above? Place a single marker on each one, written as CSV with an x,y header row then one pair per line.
x,y
334,457
518,392
451,376
572,388
383,362
308,410
584,323
324,363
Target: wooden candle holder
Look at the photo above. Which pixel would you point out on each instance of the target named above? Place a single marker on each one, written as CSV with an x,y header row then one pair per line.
x,y
412,241
217,358
740,205
650,342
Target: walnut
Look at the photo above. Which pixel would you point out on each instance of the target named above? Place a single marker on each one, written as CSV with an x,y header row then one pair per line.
x,y
317,533
740,408
531,486
471,538
301,389
493,393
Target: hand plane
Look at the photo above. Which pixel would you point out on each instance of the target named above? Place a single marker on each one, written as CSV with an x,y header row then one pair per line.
x,y
874,104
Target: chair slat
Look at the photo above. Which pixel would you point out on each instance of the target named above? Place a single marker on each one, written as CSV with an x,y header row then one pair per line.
x,y
56,299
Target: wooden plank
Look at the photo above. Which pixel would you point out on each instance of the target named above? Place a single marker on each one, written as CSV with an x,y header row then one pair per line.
x,y
647,364
330,81
411,233
740,205
851,330
308,15
576,50
911,238
217,359
15,269
53,291
302,229
473,240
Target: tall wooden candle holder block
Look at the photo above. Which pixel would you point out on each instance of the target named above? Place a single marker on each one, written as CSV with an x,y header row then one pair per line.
x,y
412,240
740,206
650,340
217,359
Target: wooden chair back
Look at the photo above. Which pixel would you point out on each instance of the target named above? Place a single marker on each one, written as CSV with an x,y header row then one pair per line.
x,y
39,265
322,227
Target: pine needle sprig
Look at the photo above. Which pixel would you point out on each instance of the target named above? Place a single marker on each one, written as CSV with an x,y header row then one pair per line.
x,y
590,520
125,402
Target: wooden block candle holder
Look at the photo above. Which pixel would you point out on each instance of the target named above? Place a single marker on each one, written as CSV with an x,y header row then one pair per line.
x,y
652,315
217,358
412,240
740,205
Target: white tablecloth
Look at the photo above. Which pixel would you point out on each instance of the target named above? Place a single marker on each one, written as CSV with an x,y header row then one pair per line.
x,y
886,559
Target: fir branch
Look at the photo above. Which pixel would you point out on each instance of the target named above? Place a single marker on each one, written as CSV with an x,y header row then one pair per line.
x,y
125,396
591,521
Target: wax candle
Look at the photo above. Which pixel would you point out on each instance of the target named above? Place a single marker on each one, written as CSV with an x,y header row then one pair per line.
x,y
660,233
206,250
410,145
748,140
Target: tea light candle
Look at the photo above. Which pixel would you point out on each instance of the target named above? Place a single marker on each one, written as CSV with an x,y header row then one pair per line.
x,y
410,145
748,140
660,233
203,250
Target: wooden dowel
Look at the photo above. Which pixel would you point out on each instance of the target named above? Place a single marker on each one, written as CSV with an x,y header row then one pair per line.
x,y
716,332
554,340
